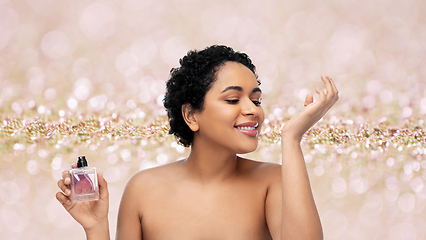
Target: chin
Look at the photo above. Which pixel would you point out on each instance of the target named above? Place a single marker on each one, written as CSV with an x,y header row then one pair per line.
x,y
247,149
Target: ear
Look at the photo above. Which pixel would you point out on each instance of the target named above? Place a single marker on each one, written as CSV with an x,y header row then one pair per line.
x,y
188,114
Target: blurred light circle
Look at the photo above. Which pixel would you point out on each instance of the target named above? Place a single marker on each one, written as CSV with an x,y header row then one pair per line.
x,y
82,88
16,107
278,112
367,215
81,67
368,102
5,35
386,96
97,21
402,231
358,186
43,153
339,185
113,174
10,192
374,87
50,94
126,64
131,104
373,199
417,184
160,100
291,111
303,93
144,97
55,45
41,109
126,155
141,153
18,146
56,163
180,149
406,202
72,103
319,170
346,42
112,158
173,49
390,162
391,195
423,105
32,166
162,159
36,78
135,5
144,50
16,218
294,26
6,94
219,22
9,19
406,112
54,212
392,183
334,223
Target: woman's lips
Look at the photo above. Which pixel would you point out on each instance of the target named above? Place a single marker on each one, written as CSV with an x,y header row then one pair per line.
x,y
251,133
248,128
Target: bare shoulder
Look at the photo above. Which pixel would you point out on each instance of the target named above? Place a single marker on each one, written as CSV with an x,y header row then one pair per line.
x,y
270,172
149,179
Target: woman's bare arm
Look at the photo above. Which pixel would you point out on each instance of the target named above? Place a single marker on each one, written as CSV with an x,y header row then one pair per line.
x,y
299,216
129,218
300,219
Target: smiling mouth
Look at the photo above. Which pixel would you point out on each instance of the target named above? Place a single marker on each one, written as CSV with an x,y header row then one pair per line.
x,y
246,128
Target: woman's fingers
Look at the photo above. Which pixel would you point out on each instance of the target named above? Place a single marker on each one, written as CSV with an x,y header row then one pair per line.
x,y
328,85
332,92
103,187
333,85
64,200
322,96
64,188
309,99
66,177
74,165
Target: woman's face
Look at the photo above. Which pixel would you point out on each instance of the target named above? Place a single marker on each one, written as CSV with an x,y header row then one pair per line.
x,y
232,116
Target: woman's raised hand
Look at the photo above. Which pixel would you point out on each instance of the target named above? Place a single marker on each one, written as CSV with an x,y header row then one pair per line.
x,y
313,111
91,215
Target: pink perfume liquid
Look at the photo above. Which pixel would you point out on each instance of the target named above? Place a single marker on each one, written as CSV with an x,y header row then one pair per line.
x,y
84,182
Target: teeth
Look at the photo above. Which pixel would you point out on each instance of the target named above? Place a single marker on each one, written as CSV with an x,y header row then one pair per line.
x,y
246,128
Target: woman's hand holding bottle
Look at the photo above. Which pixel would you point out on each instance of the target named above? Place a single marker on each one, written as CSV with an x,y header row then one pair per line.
x,y
92,215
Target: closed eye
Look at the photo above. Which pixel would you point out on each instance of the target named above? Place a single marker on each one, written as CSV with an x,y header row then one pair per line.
x,y
257,103
232,101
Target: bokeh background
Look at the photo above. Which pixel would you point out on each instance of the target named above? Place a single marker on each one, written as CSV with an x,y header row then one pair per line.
x,y
69,61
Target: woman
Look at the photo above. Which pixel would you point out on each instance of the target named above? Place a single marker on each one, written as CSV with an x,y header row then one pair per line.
x,y
213,104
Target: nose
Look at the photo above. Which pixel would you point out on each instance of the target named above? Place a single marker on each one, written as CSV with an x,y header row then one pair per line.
x,y
249,108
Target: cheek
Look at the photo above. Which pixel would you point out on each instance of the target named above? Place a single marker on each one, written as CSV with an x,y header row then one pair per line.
x,y
216,115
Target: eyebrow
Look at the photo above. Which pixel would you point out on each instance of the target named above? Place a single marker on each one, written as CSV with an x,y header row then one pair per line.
x,y
240,89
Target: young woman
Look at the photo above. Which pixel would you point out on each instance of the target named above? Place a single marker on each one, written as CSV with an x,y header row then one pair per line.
x,y
213,104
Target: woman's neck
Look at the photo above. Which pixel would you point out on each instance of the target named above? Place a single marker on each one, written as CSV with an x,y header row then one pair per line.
x,y
208,163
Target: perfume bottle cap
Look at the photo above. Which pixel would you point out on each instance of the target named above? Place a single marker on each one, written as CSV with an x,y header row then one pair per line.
x,y
82,162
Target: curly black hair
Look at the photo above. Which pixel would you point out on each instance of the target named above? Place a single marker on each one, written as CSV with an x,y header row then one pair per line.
x,y
190,82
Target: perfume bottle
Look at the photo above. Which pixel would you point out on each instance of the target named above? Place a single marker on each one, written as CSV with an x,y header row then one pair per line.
x,y
84,182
